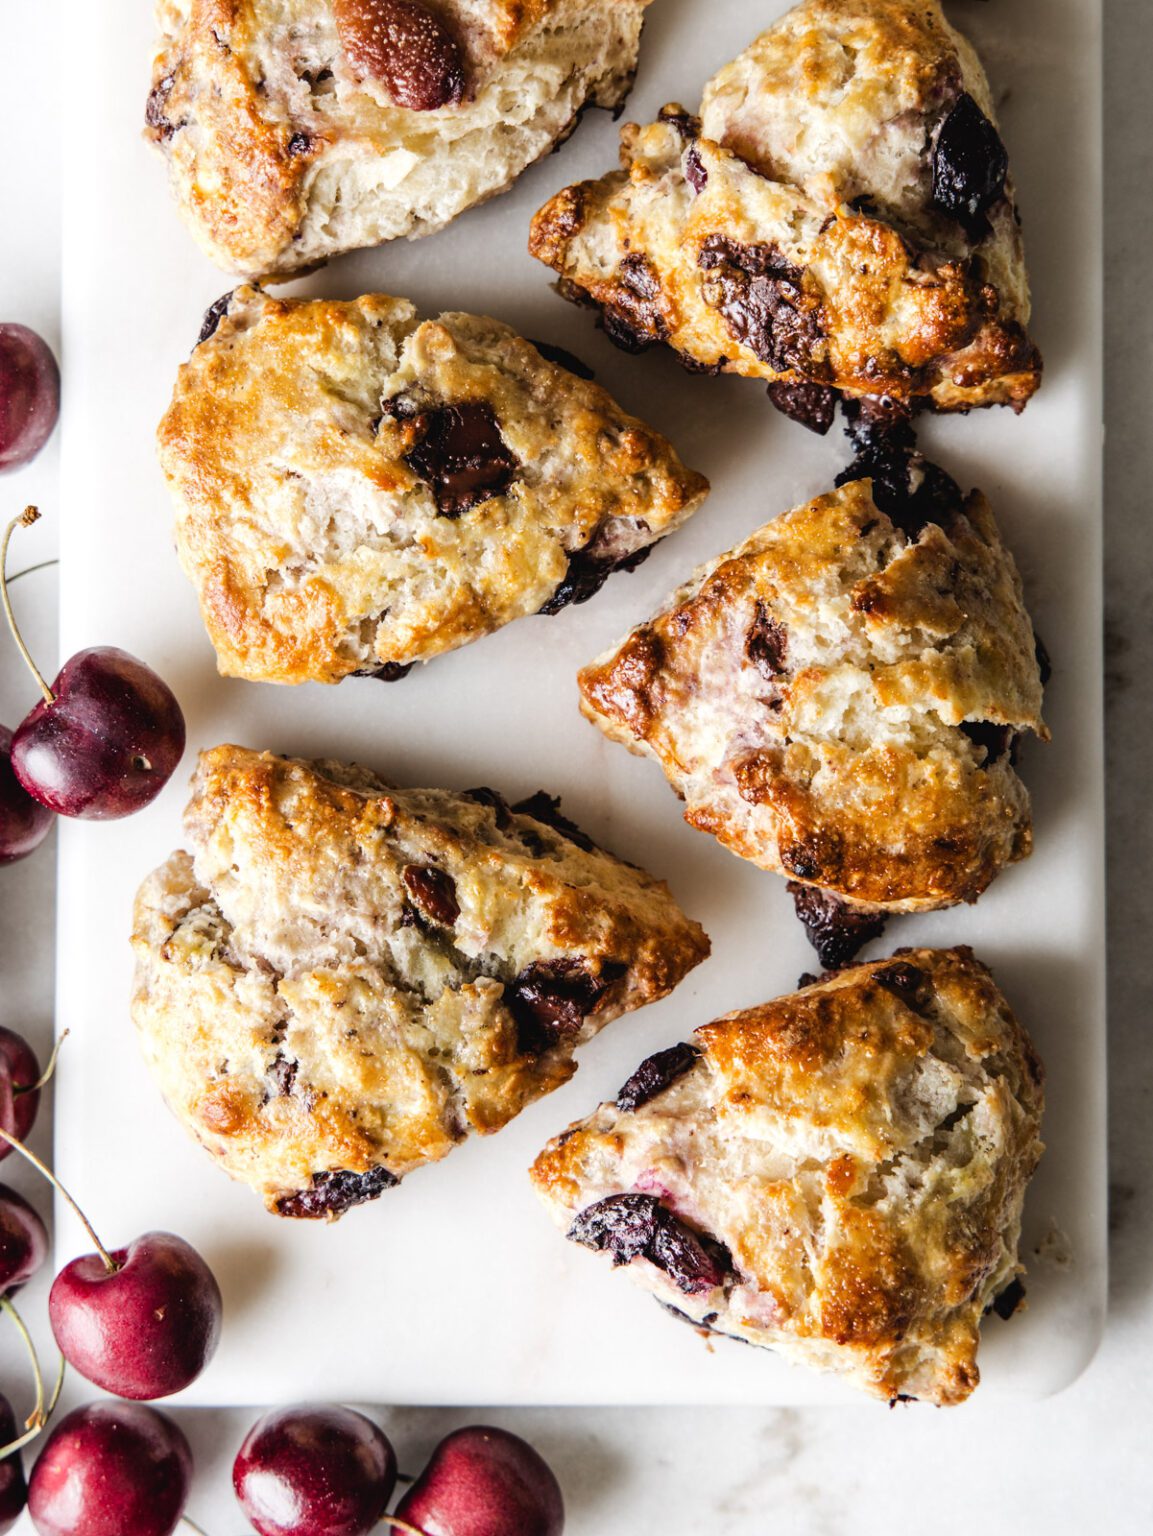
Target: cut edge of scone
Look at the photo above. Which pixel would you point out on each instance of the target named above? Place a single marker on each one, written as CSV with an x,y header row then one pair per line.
x,y
837,1175
342,980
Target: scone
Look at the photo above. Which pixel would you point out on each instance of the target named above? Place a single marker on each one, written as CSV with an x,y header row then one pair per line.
x,y
357,489
839,218
837,1175
839,699
297,129
340,980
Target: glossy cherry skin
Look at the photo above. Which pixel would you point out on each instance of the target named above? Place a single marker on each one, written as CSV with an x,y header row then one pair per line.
x,y
29,395
485,1482
107,744
111,1469
24,822
13,1488
146,1329
314,1470
18,1069
23,1241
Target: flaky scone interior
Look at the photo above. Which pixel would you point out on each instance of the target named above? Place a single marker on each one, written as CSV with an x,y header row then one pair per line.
x,y
338,981
357,489
837,1175
839,219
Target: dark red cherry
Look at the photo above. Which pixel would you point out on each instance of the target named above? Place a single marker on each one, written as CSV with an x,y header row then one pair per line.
x,y
23,1242
107,743
314,1470
485,1482
13,1488
145,1329
111,1469
19,1099
24,822
29,395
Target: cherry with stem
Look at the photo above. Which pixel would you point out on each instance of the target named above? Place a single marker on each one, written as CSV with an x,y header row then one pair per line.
x,y
43,1411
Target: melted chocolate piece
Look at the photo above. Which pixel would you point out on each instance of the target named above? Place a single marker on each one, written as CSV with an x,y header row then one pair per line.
x,y
587,574
1044,662
834,928
563,359
762,300
552,998
639,1226
155,114
873,418
634,320
767,644
994,740
910,490
497,801
654,1075
300,144
460,454
333,1193
391,672
282,1075
434,891
813,405
213,315
1006,1302
545,808
688,126
908,982
970,165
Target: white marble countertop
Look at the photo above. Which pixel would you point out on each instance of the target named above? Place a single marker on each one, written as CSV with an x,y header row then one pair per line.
x,y
1076,1462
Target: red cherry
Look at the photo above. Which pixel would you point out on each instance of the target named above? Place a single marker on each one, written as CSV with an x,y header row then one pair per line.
x,y
19,1070
485,1482
29,395
13,1488
24,822
145,1329
23,1242
111,1469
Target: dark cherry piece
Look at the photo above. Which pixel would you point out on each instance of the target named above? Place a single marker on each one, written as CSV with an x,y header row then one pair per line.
x,y
767,644
407,47
334,1192
637,1226
23,1242
29,395
24,822
213,315
111,1469
970,165
586,575
144,1330
835,930
314,1470
107,743
654,1075
907,982
483,1481
434,891
545,808
552,998
13,1488
19,1098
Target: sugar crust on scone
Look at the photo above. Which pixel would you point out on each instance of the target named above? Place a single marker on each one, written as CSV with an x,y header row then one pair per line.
x,y
838,700
837,1175
281,154
306,516
340,980
789,233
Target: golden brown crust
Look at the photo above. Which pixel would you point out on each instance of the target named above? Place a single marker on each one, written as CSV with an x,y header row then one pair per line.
x,y
860,1148
837,701
339,978
796,239
317,546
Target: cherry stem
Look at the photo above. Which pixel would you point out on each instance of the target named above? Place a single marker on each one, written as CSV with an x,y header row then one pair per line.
x,y
402,1525
25,519
191,1524
110,1263
38,1418
45,1076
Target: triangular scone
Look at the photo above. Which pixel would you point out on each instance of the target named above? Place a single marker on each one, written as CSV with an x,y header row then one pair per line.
x,y
839,219
357,490
838,699
297,129
341,980
837,1175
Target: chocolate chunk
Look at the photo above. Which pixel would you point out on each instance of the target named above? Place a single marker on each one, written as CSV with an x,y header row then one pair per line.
x,y
461,455
552,998
638,1226
497,801
587,574
634,318
1044,663
563,359
908,982
762,300
155,114
333,1193
970,165
911,491
282,1074
767,644
300,144
695,173
545,808
1006,1302
434,891
688,126
654,1075
391,672
213,315
835,929
994,740
813,405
